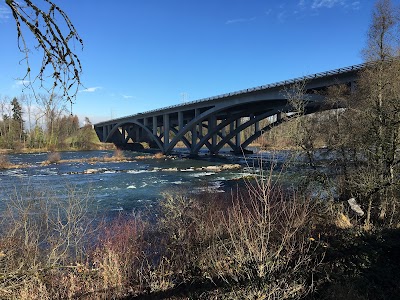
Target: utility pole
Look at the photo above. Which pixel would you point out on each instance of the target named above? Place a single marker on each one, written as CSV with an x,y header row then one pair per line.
x,y
185,97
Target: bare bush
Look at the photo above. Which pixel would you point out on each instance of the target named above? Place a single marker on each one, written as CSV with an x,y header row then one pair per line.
x,y
261,240
42,235
4,162
119,254
53,157
119,154
267,242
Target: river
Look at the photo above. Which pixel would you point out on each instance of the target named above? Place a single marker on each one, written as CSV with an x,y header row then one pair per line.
x,y
116,186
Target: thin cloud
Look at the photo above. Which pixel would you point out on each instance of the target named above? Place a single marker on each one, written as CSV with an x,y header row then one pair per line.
x,y
127,97
91,89
355,5
4,13
240,20
326,3
319,4
20,83
302,3
282,16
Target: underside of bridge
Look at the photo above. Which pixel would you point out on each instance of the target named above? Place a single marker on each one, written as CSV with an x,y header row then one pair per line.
x,y
215,127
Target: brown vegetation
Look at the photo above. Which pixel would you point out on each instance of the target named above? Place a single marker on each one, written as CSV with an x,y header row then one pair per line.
x,y
4,163
260,242
50,250
53,157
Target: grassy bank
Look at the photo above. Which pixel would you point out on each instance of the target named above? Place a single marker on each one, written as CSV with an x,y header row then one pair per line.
x,y
258,242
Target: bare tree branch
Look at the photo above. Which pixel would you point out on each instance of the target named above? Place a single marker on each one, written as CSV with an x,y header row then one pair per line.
x,y
56,37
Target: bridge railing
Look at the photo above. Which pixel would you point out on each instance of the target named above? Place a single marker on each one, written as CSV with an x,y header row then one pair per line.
x,y
258,88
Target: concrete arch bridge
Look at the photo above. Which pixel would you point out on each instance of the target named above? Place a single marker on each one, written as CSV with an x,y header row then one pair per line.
x,y
219,121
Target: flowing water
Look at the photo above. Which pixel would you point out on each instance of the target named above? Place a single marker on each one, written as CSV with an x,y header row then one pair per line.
x,y
115,186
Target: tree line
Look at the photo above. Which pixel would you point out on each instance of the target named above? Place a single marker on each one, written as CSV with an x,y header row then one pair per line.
x,y
41,122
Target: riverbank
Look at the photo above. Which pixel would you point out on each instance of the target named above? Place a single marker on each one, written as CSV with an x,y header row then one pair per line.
x,y
187,240
200,246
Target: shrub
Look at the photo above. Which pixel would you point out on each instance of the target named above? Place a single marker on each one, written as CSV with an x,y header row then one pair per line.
x,y
261,240
4,162
42,240
119,154
119,253
267,243
53,157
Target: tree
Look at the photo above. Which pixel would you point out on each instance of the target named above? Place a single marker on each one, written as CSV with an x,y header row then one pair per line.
x,y
365,137
85,135
18,122
55,35
17,110
303,131
27,101
51,108
378,101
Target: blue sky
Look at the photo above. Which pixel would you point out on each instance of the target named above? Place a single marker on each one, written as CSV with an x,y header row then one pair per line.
x,y
143,55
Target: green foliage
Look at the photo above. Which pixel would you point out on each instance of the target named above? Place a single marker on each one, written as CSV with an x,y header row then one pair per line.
x,y
53,129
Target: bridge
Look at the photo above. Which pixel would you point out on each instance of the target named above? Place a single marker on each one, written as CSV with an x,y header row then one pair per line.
x,y
218,121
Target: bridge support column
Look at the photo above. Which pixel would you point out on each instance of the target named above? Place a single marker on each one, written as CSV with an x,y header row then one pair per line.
x,y
154,126
166,130
232,127
105,133
129,131
180,120
194,134
238,139
137,134
212,123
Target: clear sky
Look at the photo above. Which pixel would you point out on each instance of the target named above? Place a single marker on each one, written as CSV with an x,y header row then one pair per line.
x,y
141,55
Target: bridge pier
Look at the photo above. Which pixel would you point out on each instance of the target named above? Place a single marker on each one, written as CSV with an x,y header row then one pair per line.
x,y
212,123
166,125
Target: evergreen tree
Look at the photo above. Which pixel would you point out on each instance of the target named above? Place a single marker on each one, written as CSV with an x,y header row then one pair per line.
x,y
17,110
17,121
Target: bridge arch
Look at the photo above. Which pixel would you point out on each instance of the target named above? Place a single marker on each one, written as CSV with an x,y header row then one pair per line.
x,y
155,138
206,115
227,138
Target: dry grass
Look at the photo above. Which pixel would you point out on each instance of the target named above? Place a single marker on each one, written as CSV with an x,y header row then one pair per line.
x,y
342,221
